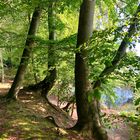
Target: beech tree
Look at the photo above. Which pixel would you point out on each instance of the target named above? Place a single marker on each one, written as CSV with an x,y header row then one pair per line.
x,y
1,66
26,54
88,117
47,83
89,112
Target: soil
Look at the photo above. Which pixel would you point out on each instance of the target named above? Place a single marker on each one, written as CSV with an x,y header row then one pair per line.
x,y
35,113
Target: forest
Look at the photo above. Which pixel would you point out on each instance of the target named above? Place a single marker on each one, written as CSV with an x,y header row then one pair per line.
x,y
69,70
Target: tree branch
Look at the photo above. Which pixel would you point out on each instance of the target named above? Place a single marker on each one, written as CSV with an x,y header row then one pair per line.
x,y
122,48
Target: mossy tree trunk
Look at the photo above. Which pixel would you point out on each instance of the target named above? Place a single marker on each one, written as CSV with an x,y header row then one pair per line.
x,y
26,54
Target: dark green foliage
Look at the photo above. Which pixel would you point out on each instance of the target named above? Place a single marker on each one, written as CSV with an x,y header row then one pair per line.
x,y
137,102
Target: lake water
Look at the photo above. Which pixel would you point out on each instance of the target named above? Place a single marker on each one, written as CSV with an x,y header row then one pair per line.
x,y
123,95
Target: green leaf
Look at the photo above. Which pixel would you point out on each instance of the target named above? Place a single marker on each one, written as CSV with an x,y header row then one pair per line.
x,y
138,84
97,94
108,63
90,97
137,102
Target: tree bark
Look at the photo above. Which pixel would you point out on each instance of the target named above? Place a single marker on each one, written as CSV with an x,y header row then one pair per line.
x,y
50,79
119,55
88,114
26,55
1,66
46,85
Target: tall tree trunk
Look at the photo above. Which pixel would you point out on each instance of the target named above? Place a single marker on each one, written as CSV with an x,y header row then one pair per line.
x,y
91,110
51,77
47,83
119,54
1,66
33,68
88,114
26,54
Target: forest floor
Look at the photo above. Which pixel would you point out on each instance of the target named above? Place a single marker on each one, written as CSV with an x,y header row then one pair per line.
x,y
28,119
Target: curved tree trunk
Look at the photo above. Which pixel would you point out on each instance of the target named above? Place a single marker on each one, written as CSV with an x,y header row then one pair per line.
x,y
51,77
26,54
46,85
